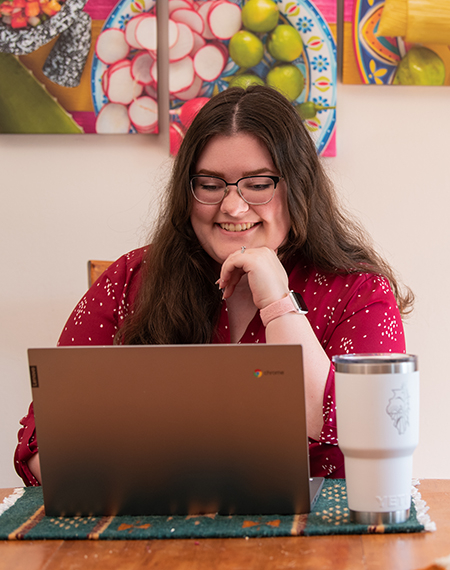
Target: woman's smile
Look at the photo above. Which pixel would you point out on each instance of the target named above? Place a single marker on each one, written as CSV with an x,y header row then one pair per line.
x,y
241,227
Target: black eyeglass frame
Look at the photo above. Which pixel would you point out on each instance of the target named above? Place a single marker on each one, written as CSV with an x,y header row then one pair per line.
x,y
275,180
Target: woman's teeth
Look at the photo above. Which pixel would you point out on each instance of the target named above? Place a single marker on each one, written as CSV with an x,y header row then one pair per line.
x,y
237,227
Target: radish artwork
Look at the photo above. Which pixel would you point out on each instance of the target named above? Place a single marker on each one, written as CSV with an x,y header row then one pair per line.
x,y
184,44
141,65
224,20
113,118
128,83
211,45
121,87
209,62
112,46
190,109
192,92
211,22
197,57
143,113
145,32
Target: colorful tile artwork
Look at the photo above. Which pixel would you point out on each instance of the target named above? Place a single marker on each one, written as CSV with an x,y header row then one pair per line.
x,y
93,63
396,42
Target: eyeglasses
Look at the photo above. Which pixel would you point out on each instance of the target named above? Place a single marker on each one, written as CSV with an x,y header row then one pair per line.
x,y
255,190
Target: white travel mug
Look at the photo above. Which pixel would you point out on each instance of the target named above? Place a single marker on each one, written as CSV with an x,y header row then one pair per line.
x,y
377,412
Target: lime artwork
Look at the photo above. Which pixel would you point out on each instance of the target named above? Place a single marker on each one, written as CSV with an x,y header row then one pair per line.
x,y
288,45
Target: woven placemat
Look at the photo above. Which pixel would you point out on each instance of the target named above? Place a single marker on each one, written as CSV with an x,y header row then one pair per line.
x,y
23,518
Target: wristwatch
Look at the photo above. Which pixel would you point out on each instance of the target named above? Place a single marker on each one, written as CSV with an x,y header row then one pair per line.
x,y
291,303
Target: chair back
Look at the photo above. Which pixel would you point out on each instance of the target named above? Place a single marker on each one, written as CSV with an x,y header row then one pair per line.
x,y
95,269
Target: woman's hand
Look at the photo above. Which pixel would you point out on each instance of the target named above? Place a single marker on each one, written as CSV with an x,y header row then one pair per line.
x,y
266,276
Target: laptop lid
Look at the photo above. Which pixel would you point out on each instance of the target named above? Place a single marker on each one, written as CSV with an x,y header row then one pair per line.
x,y
182,429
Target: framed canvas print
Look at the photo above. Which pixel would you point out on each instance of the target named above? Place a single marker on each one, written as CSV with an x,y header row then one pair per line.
x,y
71,66
396,42
289,45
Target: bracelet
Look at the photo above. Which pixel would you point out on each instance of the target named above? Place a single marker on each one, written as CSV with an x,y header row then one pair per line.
x,y
293,302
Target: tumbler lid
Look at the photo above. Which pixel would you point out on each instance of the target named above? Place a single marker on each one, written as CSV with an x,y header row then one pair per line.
x,y
376,363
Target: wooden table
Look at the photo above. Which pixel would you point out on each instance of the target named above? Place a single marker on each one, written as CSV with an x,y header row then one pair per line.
x,y
382,552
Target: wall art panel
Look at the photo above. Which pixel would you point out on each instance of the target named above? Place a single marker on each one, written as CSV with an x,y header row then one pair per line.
x,y
289,45
396,42
71,66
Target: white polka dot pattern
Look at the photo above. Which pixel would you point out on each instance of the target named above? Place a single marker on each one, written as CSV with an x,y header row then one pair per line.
x,y
348,313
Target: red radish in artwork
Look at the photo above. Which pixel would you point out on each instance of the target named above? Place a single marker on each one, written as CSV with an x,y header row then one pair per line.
x,y
143,113
223,48
189,17
118,65
145,32
111,46
172,33
129,55
184,44
130,31
176,136
154,73
199,41
224,19
209,62
114,67
190,92
176,4
189,110
197,56
141,65
105,81
181,74
151,91
221,19
113,119
122,88
204,11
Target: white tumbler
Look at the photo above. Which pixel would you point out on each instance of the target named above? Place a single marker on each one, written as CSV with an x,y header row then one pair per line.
x,y
377,412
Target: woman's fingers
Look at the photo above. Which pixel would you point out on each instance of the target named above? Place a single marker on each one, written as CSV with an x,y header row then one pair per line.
x,y
267,277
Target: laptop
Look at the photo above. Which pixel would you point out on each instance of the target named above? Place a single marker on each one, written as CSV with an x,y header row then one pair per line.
x,y
172,430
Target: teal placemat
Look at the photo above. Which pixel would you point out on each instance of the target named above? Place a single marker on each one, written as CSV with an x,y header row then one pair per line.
x,y
24,518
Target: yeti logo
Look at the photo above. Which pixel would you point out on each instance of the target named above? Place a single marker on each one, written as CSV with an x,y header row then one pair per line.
x,y
398,409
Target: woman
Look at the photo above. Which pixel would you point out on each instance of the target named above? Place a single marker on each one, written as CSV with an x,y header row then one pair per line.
x,y
249,216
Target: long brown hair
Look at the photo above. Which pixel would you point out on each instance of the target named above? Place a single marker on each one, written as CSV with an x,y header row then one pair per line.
x,y
178,301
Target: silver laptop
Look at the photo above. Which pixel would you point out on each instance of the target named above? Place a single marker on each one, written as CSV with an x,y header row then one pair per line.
x,y
176,430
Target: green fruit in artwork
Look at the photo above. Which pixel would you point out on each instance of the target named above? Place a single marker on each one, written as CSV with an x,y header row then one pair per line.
x,y
246,49
285,43
287,79
309,109
420,66
260,15
245,80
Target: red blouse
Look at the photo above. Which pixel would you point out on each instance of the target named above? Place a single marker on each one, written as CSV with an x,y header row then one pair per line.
x,y
348,313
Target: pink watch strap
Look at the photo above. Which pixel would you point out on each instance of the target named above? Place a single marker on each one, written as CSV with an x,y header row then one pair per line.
x,y
277,309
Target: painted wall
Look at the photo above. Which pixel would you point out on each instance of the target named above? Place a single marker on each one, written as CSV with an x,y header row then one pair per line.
x,y
67,199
